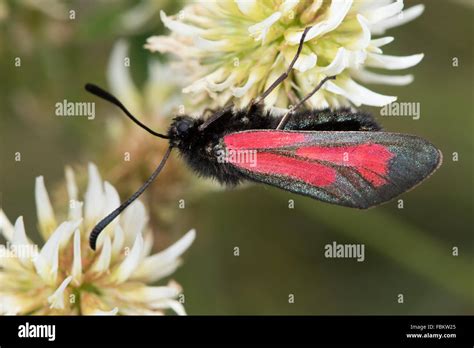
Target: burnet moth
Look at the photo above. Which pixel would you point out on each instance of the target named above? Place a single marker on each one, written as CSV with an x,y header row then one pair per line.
x,y
340,157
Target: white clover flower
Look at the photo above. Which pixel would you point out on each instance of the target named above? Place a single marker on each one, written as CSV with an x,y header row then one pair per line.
x,y
157,98
67,277
237,48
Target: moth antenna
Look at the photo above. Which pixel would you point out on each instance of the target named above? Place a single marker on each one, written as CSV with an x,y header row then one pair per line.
x,y
109,218
101,93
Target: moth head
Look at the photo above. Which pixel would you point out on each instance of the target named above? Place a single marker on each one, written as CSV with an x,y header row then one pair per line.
x,y
181,129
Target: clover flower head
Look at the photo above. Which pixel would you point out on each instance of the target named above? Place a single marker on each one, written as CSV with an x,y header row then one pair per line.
x,y
237,49
66,277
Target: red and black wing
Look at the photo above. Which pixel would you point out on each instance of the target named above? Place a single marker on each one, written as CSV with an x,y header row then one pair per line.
x,y
349,168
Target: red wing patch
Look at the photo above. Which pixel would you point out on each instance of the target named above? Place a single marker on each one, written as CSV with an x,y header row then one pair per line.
x,y
370,160
310,172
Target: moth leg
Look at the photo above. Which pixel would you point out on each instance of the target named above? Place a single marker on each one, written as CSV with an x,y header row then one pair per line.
x,y
292,110
283,76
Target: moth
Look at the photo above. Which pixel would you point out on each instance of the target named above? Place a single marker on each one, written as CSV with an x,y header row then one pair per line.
x,y
339,156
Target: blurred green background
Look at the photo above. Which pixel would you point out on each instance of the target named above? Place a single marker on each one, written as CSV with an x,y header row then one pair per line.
x,y
408,251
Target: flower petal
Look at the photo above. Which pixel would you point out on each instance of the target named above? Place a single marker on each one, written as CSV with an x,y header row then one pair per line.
x,y
288,5
338,64
134,220
147,244
146,294
260,30
379,14
102,263
305,62
94,198
392,62
118,241
167,303
112,201
254,77
120,80
165,44
246,6
403,17
332,18
220,86
147,274
66,235
275,96
162,264
358,94
44,210
309,13
46,262
19,234
6,227
177,307
209,45
22,244
178,27
126,268
76,271
71,184
196,87
382,41
364,38
56,300
366,76
75,210
375,45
